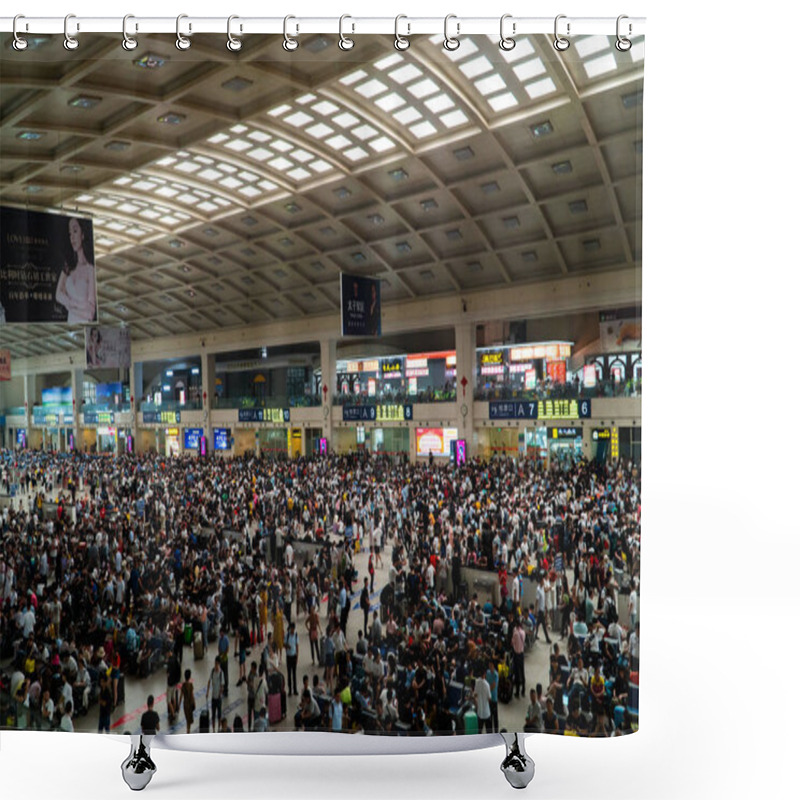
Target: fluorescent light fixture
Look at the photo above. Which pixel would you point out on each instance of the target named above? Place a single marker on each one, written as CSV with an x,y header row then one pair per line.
x,y
578,207
403,247
195,370
562,167
398,174
172,118
237,84
358,257
117,145
589,245
30,136
464,153
540,129
292,207
429,204
511,223
150,61
85,101
342,192
492,187
376,219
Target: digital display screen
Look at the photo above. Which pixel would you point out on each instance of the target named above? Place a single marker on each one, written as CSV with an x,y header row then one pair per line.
x,y
191,438
203,446
222,438
435,441
323,446
22,438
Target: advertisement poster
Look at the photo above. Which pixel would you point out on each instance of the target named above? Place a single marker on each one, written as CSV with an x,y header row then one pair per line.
x,y
107,347
557,371
5,365
361,305
435,441
47,271
621,330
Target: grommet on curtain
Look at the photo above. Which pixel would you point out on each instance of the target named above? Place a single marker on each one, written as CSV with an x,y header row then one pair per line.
x,y
451,42
345,43
234,44
559,42
289,44
507,42
182,42
70,42
19,43
623,43
401,42
128,42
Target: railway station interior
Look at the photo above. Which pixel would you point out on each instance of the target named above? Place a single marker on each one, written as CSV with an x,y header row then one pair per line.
x,y
478,462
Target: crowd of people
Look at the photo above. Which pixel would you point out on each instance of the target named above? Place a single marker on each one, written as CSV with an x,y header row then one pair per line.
x,y
111,566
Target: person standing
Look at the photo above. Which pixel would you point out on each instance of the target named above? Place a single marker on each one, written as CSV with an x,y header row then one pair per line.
x,y
364,601
252,683
482,699
291,659
215,690
518,653
105,701
493,679
541,616
150,721
173,680
312,626
187,699
223,648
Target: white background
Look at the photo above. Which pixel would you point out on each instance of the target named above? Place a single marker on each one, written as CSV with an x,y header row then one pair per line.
x,y
719,679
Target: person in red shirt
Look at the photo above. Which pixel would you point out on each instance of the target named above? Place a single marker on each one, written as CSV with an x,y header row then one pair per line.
x,y
518,654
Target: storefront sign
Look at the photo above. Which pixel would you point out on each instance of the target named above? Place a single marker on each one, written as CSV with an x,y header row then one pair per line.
x,y
397,413
370,366
557,371
98,418
392,367
541,409
564,433
493,357
161,417
274,415
191,438
600,434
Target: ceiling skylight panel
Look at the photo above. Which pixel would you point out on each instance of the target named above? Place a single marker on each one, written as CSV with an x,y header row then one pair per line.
x,y
529,69
423,88
260,154
523,48
128,208
325,107
306,98
266,185
210,175
405,74
466,48
592,44
249,191
382,144
204,160
356,153
165,162
422,129
364,132
454,118
207,207
345,120
600,66
144,186
371,88
338,142
476,66
637,50
187,166
188,199
439,103
494,83
278,110
230,182
238,145
298,174
319,130
407,115
390,101
540,88
503,101
280,164
389,61
237,129
123,181
259,136
320,166
299,119
353,77
301,156
106,202
281,145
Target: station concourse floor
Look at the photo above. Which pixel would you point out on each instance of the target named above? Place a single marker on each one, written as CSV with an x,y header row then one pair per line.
x,y
126,717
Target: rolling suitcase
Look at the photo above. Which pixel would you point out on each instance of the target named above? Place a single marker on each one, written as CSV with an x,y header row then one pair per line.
x,y
187,633
274,708
204,725
470,722
199,650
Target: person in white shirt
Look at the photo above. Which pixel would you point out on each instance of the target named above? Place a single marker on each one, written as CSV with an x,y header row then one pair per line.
x,y
483,696
66,719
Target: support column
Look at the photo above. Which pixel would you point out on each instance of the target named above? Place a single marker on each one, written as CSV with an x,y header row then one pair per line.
x,y
465,369
327,349
135,384
76,379
208,373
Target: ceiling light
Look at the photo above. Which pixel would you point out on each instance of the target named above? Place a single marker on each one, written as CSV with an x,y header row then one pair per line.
x,y
403,247
247,280
30,136
317,266
292,208
185,268
427,274
210,232
510,223
85,101
562,168
376,219
398,174
285,241
633,99
280,273
175,243
237,84
172,118
327,231
71,168
342,192
490,188
542,129
249,221
590,245
428,204
190,293
150,61
317,44
358,257
578,207
117,145
454,235
464,153
248,251
33,189
530,256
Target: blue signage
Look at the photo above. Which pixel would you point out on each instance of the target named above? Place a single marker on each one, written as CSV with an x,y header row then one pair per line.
x,y
191,438
540,409
222,438
98,418
22,438
399,413
274,415
161,417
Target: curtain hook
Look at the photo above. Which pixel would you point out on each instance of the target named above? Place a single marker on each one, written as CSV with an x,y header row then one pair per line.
x,y
181,42
559,42
401,42
19,43
623,42
345,43
70,42
128,42
289,44
451,42
234,44
507,42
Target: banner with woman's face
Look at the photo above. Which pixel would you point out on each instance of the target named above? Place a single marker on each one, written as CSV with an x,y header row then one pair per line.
x,y
47,271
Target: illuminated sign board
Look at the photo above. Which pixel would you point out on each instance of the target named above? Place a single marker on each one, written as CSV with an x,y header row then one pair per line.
x,y
191,438
601,434
370,366
553,350
172,431
435,441
494,357
394,413
519,367
161,417
540,409
564,433
418,372
277,416
222,438
492,369
392,367
98,418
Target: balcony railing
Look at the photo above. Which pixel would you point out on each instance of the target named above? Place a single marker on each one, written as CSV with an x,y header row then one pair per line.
x,y
276,401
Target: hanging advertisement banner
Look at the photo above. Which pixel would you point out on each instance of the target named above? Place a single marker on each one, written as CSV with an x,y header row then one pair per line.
x,y
107,347
360,305
47,271
5,365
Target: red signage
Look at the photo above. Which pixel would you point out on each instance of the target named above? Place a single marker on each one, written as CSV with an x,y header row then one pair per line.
x,y
557,371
